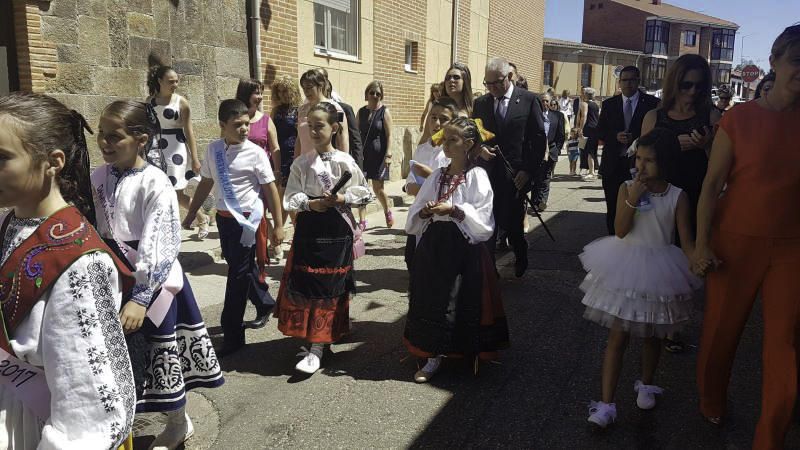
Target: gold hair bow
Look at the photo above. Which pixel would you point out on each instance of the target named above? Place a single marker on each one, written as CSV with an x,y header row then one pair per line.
x,y
486,135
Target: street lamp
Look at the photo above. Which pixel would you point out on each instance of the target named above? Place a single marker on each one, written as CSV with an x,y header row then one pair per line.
x,y
741,55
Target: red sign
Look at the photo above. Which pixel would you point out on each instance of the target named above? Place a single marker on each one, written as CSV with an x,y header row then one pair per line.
x,y
750,73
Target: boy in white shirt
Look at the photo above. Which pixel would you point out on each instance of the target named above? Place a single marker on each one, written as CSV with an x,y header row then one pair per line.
x,y
241,175
428,158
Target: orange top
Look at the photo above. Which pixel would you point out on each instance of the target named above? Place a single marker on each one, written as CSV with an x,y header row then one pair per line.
x,y
764,182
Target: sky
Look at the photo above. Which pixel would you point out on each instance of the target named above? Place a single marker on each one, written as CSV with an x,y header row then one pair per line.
x,y
760,21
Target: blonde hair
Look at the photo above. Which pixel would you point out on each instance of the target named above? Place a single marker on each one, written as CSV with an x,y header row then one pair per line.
x,y
285,92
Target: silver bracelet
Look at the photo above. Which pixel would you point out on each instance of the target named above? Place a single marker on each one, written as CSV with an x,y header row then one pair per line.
x,y
629,204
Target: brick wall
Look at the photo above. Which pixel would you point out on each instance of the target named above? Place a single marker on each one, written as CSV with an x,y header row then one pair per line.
x,y
88,53
613,25
463,32
278,42
518,35
395,23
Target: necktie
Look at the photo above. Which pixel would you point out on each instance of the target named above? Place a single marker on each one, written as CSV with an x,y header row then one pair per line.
x,y
628,112
499,114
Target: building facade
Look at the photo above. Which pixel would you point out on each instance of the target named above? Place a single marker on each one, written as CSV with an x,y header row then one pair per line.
x,y
572,66
662,32
88,53
407,45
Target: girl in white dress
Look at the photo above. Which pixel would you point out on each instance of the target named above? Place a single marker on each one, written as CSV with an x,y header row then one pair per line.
x,y
66,380
137,213
638,282
175,148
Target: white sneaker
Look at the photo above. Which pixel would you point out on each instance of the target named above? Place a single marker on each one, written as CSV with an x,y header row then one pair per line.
x,y
647,394
310,362
426,373
176,433
602,414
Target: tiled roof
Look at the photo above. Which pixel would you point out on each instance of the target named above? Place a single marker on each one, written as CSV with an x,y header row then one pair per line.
x,y
582,46
668,11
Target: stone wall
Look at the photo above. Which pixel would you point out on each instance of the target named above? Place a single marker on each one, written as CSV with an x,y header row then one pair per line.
x,y
100,51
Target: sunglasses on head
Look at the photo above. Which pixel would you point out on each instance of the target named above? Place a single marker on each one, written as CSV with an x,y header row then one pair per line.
x,y
455,77
686,85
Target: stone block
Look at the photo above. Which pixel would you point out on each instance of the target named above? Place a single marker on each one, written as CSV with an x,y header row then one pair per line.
x,y
119,81
214,25
161,12
162,49
206,130
141,24
68,53
231,63
96,8
95,104
188,67
67,9
71,79
226,87
93,40
59,30
118,40
192,87
235,17
72,101
236,40
142,6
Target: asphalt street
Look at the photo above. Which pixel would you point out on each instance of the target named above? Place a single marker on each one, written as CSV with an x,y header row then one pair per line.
x,y
535,396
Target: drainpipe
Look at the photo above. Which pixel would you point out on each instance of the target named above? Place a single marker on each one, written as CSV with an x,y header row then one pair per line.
x,y
254,44
454,46
603,75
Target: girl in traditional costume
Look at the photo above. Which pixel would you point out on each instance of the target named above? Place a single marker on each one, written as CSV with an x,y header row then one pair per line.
x,y
314,297
137,212
65,375
455,307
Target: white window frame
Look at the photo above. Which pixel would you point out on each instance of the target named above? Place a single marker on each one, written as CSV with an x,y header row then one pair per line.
x,y
352,34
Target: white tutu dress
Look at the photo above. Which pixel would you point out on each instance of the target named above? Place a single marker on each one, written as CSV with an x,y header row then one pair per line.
x,y
641,283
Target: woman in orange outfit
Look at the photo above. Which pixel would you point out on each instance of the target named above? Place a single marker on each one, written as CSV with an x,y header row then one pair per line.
x,y
749,240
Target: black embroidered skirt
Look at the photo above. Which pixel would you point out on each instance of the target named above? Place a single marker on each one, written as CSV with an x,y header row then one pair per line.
x,y
455,306
314,297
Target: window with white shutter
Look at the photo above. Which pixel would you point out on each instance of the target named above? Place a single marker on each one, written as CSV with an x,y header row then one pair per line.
x,y
336,26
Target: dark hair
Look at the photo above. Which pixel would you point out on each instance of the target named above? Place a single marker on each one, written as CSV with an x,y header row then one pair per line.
x,y
521,83
154,75
329,109
633,69
436,88
446,103
467,127
139,119
466,93
665,143
786,40
677,71
230,109
44,124
316,77
768,77
246,88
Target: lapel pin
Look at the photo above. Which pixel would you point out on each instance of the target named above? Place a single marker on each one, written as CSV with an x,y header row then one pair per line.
x,y
517,100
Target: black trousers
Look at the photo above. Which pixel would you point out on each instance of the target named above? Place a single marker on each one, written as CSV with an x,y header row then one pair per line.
x,y
612,179
509,213
541,181
242,280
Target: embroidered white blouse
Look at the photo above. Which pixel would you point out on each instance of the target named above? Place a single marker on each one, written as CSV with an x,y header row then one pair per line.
x,y
73,333
473,198
310,169
140,205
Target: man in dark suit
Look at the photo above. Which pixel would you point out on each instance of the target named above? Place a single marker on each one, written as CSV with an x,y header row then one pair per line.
x,y
619,125
515,117
554,128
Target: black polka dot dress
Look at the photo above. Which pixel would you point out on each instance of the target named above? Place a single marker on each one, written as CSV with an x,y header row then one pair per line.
x,y
172,141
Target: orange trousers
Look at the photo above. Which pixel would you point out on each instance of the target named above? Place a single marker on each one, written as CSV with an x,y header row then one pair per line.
x,y
750,264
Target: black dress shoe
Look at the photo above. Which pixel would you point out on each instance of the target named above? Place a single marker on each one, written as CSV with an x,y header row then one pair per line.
x,y
229,349
520,266
259,322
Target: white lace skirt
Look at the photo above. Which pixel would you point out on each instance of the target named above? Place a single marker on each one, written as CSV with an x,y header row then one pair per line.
x,y
645,291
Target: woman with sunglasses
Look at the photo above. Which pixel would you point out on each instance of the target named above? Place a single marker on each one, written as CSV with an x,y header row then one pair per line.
x,y
458,86
687,110
375,123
